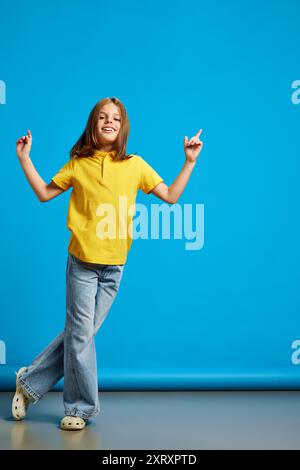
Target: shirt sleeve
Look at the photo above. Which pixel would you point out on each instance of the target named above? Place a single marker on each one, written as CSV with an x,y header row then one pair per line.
x,y
149,178
64,177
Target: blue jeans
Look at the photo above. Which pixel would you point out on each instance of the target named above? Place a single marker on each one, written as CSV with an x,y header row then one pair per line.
x,y
90,291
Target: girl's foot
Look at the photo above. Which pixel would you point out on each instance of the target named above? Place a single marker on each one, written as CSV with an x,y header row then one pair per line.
x,y
20,400
72,423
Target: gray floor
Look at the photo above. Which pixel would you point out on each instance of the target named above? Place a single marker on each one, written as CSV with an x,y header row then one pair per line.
x,y
162,420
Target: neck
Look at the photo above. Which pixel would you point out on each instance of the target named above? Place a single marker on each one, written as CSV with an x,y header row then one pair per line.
x,y
106,148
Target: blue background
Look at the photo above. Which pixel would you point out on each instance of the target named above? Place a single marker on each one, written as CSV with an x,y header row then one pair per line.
x,y
224,316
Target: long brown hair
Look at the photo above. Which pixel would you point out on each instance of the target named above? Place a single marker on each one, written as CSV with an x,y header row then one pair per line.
x,y
89,140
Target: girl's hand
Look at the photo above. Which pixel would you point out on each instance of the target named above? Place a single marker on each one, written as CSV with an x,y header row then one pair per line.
x,y
193,147
24,146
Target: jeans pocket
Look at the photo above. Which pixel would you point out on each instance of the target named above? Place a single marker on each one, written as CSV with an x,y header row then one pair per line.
x,y
81,263
76,260
113,272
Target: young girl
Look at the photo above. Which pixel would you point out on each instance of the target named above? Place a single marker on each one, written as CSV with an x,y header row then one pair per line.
x,y
101,175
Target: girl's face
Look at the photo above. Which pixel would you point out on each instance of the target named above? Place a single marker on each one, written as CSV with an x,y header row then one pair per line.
x,y
109,124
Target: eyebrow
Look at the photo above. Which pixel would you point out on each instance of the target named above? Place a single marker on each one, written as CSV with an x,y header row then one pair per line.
x,y
115,114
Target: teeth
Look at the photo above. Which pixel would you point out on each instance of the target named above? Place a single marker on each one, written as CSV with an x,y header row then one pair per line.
x,y
108,129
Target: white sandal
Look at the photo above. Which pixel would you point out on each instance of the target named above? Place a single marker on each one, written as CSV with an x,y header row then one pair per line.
x,y
21,399
71,423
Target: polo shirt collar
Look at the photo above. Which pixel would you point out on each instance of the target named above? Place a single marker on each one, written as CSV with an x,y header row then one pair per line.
x,y
100,153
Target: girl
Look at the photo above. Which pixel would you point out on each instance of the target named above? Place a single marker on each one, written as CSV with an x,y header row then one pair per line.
x,y
101,175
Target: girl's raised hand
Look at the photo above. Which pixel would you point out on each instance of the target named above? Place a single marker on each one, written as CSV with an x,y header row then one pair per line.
x,y
193,147
24,145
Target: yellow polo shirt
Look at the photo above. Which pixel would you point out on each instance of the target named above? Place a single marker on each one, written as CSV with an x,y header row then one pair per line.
x,y
102,203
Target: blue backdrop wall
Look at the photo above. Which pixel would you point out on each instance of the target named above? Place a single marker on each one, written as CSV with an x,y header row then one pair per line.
x,y
225,315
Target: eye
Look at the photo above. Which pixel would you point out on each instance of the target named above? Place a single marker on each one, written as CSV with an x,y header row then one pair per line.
x,y
116,119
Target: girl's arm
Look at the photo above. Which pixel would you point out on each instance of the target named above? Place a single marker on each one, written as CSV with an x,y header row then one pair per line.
x,y
172,193
44,191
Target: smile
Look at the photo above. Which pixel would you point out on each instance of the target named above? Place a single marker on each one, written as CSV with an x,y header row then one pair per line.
x,y
108,129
